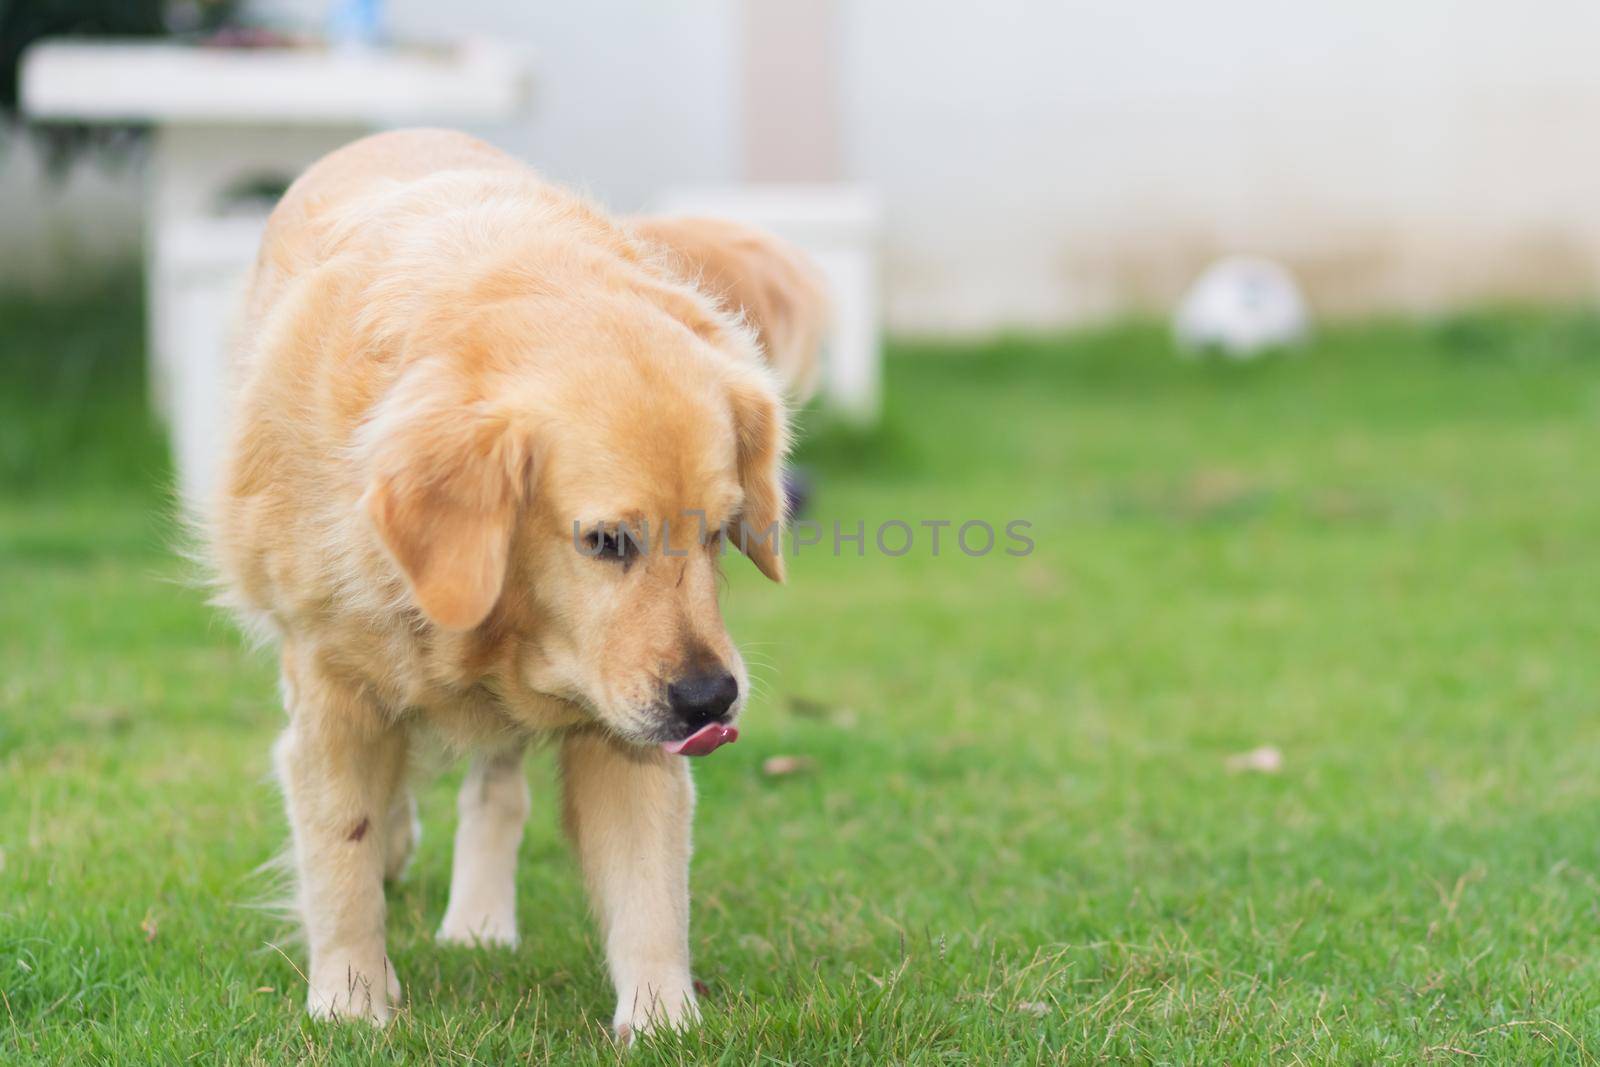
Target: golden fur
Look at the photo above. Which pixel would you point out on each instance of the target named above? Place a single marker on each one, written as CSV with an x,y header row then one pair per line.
x,y
445,364
779,291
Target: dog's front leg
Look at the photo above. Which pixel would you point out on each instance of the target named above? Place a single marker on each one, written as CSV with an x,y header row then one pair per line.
x,y
341,763
628,810
492,807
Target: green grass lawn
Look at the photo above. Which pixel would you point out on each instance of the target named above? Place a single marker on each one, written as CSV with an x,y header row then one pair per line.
x,y
1019,838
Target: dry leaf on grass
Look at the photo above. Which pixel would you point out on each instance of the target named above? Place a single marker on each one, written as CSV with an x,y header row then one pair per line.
x,y
807,708
1212,490
1040,578
1263,760
833,714
782,766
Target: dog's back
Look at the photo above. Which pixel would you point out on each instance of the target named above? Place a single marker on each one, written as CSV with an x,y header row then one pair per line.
x,y
353,176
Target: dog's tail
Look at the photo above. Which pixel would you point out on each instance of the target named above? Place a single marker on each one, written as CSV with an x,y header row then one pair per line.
x,y
769,281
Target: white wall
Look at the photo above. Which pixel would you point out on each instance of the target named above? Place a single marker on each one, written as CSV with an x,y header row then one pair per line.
x,y
630,95
1043,162
1047,161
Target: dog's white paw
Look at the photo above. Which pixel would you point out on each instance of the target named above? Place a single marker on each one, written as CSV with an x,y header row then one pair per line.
x,y
655,1004
495,928
341,989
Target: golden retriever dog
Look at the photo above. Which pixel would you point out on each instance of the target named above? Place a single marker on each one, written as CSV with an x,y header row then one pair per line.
x,y
461,396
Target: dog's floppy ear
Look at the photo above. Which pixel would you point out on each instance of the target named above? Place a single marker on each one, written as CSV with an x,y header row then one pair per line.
x,y
771,282
762,426
448,476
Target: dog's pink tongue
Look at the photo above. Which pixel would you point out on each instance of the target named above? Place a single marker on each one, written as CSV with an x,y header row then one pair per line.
x,y
704,741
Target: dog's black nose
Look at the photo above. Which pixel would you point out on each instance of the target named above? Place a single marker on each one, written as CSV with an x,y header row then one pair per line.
x,y
701,698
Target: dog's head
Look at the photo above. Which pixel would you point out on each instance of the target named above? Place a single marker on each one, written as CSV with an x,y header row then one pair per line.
x,y
559,484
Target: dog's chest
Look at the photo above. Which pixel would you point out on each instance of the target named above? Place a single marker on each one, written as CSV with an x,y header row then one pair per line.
x,y
476,716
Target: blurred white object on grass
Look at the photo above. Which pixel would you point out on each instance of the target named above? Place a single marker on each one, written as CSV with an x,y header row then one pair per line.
x,y
1266,759
1243,307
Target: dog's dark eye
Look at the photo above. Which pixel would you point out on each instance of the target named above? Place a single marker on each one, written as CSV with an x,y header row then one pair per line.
x,y
611,545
